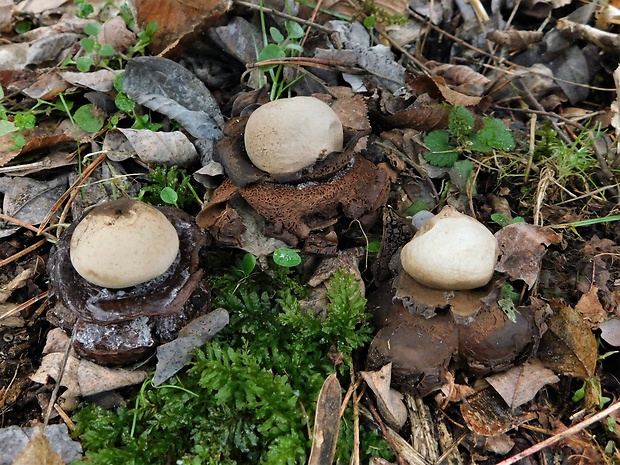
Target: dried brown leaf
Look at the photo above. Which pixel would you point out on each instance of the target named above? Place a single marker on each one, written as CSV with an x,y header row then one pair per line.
x,y
515,40
389,401
460,75
520,384
178,21
326,422
487,414
38,452
569,346
590,307
522,247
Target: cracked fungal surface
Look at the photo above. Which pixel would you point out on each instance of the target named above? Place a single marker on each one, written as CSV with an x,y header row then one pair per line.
x,y
299,208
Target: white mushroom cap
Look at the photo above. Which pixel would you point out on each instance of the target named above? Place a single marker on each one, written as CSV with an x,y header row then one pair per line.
x,y
123,243
451,251
285,136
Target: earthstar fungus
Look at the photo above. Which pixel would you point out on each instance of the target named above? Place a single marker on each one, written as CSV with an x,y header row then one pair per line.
x,y
139,307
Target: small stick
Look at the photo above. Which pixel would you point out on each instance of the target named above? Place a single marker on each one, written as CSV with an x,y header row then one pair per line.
x,y
21,253
564,434
23,306
283,15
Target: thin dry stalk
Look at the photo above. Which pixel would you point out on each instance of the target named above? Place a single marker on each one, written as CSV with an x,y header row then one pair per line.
x,y
23,306
21,253
563,435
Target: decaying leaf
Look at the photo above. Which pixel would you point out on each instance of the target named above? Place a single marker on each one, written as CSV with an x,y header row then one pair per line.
x,y
81,377
178,21
610,331
515,40
522,247
168,88
520,384
488,415
38,452
29,200
161,148
389,401
15,440
469,81
173,356
569,347
590,307
326,422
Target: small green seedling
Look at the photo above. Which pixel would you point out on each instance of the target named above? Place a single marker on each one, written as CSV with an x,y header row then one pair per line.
x,y
248,264
83,9
169,186
95,53
502,220
281,47
509,301
446,145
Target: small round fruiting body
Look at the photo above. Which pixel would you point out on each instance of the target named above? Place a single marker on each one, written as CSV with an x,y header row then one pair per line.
x,y
123,243
452,251
288,135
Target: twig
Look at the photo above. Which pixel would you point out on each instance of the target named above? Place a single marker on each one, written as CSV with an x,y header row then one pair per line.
x,y
500,60
76,184
21,253
283,15
23,306
564,434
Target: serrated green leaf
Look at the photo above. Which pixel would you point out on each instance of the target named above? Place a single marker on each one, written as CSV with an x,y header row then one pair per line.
x,y
19,141
87,119
93,28
441,152
294,30
460,121
495,135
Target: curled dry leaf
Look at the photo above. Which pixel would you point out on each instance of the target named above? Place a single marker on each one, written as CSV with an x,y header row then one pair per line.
x,y
116,34
461,75
610,331
178,22
389,401
165,86
515,40
38,450
608,41
522,247
520,384
161,148
569,347
101,80
326,422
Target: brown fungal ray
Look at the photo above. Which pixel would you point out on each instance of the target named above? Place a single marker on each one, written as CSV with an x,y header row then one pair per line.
x,y
230,152
128,341
163,295
397,231
419,349
360,191
492,342
423,300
